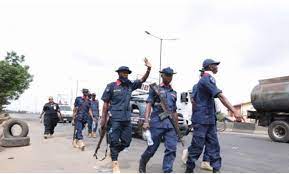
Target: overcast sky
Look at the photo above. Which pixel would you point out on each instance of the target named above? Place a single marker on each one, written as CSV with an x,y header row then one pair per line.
x,y
66,41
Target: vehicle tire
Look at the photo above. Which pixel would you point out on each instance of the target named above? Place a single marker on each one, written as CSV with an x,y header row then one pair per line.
x,y
15,142
1,131
4,118
279,131
7,128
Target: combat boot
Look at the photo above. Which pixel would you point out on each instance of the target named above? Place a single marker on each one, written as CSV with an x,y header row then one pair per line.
x,y
81,145
74,143
142,166
189,170
216,171
94,134
45,136
206,166
115,167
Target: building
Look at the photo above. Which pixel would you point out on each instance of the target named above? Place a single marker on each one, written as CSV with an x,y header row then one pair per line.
x,y
242,109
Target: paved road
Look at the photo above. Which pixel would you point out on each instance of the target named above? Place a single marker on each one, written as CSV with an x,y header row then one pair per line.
x,y
240,153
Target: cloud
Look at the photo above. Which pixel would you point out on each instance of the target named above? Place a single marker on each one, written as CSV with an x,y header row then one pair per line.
x,y
85,41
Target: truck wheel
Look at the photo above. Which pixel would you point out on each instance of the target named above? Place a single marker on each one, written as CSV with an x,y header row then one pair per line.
x,y
279,131
8,128
15,142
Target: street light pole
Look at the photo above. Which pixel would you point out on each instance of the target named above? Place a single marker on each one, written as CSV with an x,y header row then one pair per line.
x,y
161,46
76,91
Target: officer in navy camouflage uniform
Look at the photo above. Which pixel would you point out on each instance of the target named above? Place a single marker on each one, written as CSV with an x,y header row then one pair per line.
x,y
161,129
116,98
206,159
95,113
81,113
204,118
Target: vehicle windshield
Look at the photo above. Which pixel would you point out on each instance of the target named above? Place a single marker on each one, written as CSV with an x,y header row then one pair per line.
x,y
65,108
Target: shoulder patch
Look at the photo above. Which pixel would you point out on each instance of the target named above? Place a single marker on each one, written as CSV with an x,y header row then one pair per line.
x,y
109,86
212,79
174,95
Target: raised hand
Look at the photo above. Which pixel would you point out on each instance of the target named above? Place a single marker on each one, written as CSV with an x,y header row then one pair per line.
x,y
147,63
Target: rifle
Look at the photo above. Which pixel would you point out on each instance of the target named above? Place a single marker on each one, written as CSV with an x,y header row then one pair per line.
x,y
102,134
167,113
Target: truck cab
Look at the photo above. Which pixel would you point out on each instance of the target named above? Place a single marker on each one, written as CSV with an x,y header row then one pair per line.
x,y
185,106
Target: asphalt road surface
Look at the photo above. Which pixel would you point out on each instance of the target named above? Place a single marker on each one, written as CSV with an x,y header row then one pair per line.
x,y
240,153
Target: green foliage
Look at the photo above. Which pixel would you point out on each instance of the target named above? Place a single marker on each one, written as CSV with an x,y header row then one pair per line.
x,y
14,78
220,116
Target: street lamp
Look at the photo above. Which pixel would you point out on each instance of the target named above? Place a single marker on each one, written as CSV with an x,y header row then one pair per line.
x,y
161,45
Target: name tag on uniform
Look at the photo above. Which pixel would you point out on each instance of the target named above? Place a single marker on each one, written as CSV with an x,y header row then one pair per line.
x,y
117,90
162,91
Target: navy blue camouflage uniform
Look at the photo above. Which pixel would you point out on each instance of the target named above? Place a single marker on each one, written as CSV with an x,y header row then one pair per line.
x,y
204,123
82,115
118,94
95,113
205,155
162,129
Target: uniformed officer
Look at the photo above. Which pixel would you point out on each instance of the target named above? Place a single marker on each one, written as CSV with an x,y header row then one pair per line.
x,y
205,164
51,117
95,113
204,118
81,113
116,98
161,129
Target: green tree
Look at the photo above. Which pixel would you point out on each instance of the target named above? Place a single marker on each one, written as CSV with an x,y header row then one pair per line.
x,y
14,78
221,116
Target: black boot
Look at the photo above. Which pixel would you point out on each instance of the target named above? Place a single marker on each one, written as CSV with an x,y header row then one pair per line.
x,y
142,166
189,170
216,171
